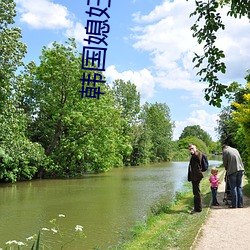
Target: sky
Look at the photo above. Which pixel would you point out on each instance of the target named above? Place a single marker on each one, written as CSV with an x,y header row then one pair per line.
x,y
149,44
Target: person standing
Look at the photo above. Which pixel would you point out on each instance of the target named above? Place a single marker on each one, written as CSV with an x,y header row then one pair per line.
x,y
214,181
235,170
195,175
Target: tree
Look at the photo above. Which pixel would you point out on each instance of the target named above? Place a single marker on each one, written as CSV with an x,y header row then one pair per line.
x,y
208,23
142,145
20,158
156,120
183,144
12,51
196,131
78,134
227,127
230,130
128,100
242,117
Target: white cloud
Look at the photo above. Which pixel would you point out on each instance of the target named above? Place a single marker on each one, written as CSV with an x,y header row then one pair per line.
x,y
234,41
143,80
159,12
170,43
208,122
165,33
43,14
78,32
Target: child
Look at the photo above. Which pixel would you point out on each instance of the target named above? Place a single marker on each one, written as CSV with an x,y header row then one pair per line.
x,y
214,185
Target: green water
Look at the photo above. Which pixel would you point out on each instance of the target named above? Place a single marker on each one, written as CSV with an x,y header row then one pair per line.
x,y
105,204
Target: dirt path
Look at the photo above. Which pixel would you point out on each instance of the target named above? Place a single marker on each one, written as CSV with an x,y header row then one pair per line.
x,y
225,228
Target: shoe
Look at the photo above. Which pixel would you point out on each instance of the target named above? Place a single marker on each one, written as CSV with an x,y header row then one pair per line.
x,y
217,204
231,207
194,212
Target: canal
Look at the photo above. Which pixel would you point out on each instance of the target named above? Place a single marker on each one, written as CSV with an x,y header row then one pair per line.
x,y
106,204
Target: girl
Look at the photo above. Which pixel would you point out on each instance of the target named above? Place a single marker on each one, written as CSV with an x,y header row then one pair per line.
x,y
214,185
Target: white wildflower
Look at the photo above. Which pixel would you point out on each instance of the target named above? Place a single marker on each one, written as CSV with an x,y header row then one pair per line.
x,y
54,230
20,243
45,229
29,238
61,215
10,242
78,228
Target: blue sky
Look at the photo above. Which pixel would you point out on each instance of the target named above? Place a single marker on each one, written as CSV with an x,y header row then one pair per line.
x,y
149,43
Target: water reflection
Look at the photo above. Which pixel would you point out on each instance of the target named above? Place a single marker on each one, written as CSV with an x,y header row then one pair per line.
x,y
105,204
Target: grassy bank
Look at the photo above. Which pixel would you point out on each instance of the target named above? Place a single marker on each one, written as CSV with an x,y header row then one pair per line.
x,y
170,227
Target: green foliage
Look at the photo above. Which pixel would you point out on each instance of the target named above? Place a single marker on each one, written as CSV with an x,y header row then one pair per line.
x,y
127,99
79,135
238,8
20,157
157,122
201,146
142,145
181,154
12,50
205,28
215,147
233,123
227,127
36,243
196,131
47,129
242,117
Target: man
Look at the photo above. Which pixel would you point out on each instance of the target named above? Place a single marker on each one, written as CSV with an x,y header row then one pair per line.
x,y
195,175
235,170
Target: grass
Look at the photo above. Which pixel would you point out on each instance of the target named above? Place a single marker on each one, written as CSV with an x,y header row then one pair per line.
x,y
246,188
170,226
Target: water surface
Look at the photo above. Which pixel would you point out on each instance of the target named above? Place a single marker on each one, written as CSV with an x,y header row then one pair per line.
x,y
104,204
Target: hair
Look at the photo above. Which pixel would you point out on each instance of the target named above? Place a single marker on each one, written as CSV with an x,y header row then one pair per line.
x,y
214,170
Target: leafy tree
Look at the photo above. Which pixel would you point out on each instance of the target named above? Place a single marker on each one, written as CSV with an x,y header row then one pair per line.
x,y
12,50
241,116
208,23
78,134
179,154
19,157
196,131
142,145
128,100
227,127
183,144
156,120
215,147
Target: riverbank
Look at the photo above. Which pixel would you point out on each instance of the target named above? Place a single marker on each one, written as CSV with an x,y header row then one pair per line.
x,y
172,227
226,228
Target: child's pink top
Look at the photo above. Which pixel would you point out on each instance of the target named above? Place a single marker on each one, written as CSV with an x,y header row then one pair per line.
x,y
214,181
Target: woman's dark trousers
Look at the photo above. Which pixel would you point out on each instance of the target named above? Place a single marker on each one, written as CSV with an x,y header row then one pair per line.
x,y
197,196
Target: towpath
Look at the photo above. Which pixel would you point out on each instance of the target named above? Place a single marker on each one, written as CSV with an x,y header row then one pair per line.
x,y
225,228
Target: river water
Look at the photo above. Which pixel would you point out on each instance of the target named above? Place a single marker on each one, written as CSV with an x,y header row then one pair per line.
x,y
104,204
